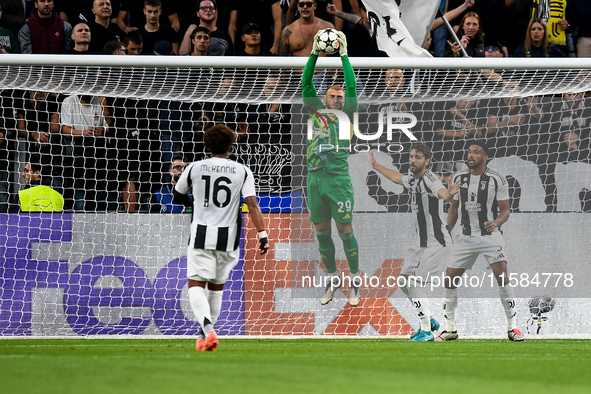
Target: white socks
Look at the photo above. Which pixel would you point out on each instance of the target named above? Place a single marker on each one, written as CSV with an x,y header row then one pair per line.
x,y
416,294
507,294
450,304
201,307
215,304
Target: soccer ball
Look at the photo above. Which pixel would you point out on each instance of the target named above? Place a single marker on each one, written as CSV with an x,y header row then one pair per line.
x,y
328,41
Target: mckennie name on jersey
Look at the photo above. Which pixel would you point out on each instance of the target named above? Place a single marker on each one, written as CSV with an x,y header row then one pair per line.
x,y
217,185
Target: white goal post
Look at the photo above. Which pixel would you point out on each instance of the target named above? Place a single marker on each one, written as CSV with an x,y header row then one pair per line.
x,y
97,269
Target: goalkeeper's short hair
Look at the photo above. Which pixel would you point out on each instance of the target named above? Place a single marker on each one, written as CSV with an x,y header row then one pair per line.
x,y
219,139
338,88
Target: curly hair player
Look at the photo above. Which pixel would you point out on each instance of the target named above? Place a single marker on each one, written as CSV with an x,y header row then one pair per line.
x,y
217,184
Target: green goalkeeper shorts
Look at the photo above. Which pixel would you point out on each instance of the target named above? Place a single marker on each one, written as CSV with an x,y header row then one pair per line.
x,y
330,197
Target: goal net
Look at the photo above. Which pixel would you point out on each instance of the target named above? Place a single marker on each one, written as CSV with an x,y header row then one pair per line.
x,y
110,134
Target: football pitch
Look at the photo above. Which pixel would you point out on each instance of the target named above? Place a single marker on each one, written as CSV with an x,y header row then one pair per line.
x,y
294,366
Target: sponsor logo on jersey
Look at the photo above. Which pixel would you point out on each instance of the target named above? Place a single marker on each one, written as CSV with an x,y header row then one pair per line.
x,y
472,205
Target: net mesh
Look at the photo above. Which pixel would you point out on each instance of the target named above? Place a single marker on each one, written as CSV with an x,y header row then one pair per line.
x,y
97,269
280,84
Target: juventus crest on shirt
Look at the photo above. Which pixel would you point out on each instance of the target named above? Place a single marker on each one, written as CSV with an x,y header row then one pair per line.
x,y
478,197
427,209
217,185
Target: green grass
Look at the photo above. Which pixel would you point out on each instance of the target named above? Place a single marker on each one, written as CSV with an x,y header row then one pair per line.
x,y
294,366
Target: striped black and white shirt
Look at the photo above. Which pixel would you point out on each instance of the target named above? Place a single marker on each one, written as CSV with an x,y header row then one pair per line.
x,y
478,197
427,210
217,185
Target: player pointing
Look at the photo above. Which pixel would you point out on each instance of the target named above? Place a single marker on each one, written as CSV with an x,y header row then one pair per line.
x,y
430,254
475,206
217,184
330,191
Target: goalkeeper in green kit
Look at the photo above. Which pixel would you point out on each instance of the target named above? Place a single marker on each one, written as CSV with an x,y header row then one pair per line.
x,y
330,192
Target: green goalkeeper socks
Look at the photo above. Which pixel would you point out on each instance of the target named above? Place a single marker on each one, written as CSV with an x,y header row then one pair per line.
x,y
327,251
351,251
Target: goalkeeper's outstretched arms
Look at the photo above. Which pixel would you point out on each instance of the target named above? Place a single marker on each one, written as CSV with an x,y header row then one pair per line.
x,y
309,94
257,218
351,103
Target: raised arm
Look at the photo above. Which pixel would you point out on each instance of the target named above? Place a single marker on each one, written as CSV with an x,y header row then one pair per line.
x,y
392,175
451,15
276,10
185,47
351,104
232,25
309,94
174,22
451,191
308,89
338,23
290,15
351,85
350,18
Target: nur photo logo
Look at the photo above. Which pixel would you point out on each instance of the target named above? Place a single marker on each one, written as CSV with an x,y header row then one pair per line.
x,y
318,126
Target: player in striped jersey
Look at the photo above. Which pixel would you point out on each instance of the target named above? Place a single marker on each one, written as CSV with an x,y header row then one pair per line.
x,y
430,253
217,184
483,193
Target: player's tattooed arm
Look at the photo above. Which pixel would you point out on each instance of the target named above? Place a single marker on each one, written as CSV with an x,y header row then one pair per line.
x,y
284,42
351,18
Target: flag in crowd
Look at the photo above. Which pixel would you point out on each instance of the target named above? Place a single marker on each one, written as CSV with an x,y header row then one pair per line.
x,y
390,32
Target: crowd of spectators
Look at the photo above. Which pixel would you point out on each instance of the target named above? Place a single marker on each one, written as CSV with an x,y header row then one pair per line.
x,y
114,153
47,26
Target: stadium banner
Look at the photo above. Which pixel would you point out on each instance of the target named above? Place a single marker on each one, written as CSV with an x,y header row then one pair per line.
x,y
552,265
70,274
390,32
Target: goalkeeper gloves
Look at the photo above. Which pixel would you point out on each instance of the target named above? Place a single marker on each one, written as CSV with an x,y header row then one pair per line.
x,y
315,48
263,242
342,43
